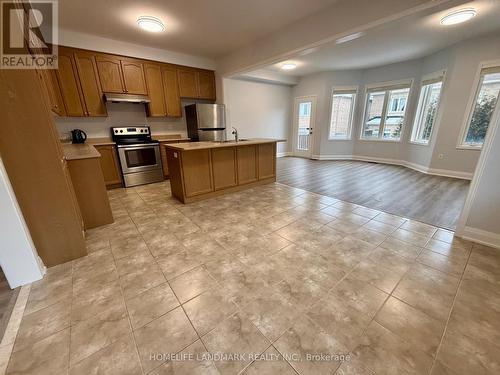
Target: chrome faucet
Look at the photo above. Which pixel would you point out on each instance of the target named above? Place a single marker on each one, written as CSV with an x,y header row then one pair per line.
x,y
235,133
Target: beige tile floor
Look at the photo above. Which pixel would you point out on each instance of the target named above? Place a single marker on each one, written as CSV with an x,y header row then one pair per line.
x,y
272,280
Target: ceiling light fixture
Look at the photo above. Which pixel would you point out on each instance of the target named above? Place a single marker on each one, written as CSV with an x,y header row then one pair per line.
x,y
458,16
151,24
288,66
348,38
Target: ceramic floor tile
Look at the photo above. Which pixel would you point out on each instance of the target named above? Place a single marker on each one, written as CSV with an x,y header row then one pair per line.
x,y
401,248
412,238
390,219
380,227
119,358
88,304
300,290
47,292
150,305
192,283
453,264
384,278
168,334
208,310
411,324
420,228
304,342
270,363
447,249
175,264
141,280
235,335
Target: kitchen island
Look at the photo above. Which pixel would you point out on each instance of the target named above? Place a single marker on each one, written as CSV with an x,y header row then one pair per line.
x,y
200,170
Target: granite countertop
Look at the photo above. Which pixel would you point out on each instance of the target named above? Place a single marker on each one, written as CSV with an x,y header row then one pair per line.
x,y
204,145
79,151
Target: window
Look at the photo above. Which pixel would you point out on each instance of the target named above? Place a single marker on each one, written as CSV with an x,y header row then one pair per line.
x,y
305,109
426,111
342,113
385,112
485,102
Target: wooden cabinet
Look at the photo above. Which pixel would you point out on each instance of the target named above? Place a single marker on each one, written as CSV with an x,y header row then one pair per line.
x,y
206,85
163,154
133,77
224,167
52,91
69,84
197,171
171,89
196,83
247,164
157,107
109,165
89,81
121,75
110,73
267,160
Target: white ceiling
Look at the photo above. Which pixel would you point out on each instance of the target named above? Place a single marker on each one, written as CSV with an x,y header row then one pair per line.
x,y
404,39
209,28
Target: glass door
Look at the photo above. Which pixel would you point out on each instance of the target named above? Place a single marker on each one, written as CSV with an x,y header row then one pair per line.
x,y
304,124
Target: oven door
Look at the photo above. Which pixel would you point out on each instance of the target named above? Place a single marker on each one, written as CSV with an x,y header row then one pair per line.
x,y
139,158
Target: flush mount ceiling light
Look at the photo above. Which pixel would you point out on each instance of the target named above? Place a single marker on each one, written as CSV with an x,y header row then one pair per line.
x,y
288,66
348,38
151,24
458,16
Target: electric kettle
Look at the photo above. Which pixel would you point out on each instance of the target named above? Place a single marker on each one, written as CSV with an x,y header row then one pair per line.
x,y
78,136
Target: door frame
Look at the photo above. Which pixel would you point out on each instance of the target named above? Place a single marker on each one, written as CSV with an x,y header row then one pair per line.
x,y
313,99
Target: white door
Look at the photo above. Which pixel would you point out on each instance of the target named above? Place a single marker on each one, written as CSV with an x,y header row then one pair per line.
x,y
304,114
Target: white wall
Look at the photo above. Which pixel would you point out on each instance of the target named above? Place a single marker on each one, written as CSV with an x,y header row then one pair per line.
x,y
258,110
120,114
460,61
18,258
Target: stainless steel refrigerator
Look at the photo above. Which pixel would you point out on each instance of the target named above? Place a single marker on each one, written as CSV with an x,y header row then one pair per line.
x,y
206,122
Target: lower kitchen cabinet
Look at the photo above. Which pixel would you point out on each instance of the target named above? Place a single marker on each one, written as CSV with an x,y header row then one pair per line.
x,y
110,166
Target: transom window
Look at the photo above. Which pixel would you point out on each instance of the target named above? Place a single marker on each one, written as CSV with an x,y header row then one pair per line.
x,y
385,112
425,117
343,102
485,102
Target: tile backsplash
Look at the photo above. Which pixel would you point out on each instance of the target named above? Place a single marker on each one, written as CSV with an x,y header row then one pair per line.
x,y
120,114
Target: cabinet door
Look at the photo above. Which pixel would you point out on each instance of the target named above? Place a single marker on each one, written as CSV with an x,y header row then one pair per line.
x,y
68,82
157,106
109,165
172,96
247,164
188,83
110,73
133,77
89,81
197,172
164,162
52,90
267,160
206,84
224,167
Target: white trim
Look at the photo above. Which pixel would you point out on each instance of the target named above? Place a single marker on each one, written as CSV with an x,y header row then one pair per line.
x,y
478,174
471,104
348,137
403,163
406,81
283,154
314,102
481,236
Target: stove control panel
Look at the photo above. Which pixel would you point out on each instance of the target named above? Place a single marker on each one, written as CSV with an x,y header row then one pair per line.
x,y
130,131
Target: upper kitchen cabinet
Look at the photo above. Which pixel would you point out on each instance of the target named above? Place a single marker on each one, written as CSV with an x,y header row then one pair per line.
x,y
69,84
52,90
196,83
89,81
121,75
110,73
157,107
133,77
171,90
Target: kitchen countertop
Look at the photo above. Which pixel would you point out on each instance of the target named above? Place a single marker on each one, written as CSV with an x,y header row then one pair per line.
x,y
79,151
204,145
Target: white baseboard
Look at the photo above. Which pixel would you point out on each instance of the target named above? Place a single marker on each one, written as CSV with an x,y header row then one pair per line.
x,y
481,236
404,163
282,154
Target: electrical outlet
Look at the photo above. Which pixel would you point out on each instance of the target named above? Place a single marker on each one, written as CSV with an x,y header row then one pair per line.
x,y
440,156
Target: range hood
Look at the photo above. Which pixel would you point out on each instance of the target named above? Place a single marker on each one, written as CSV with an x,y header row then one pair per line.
x,y
126,98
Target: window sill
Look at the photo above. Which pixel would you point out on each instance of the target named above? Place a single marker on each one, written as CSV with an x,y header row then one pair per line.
x,y
340,139
419,143
380,140
473,148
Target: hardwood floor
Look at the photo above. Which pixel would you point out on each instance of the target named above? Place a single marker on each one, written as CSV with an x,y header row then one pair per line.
x,y
398,190
7,301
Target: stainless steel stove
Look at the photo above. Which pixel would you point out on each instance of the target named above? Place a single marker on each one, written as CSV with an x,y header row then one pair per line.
x,y
139,155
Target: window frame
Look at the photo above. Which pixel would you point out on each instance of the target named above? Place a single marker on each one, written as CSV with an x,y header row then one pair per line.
x,y
437,120
355,90
476,88
385,86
